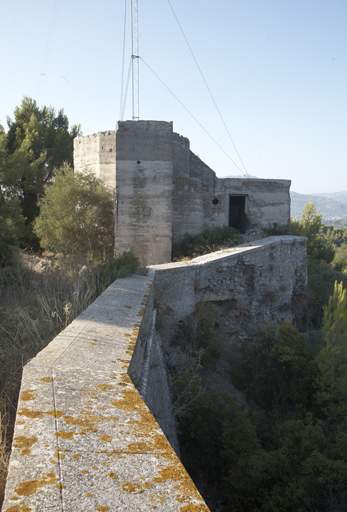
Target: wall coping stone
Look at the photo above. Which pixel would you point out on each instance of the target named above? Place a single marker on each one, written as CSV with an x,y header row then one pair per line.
x,y
84,439
224,254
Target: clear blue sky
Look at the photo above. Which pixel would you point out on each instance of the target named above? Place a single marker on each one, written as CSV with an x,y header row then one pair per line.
x,y
277,70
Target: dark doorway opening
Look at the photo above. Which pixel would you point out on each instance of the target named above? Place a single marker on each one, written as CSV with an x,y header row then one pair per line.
x,y
237,213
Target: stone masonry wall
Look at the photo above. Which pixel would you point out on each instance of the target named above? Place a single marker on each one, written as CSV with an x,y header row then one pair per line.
x,y
84,437
98,153
264,280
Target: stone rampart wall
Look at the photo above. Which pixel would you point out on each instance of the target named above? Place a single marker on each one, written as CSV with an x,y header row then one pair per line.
x,y
84,437
261,281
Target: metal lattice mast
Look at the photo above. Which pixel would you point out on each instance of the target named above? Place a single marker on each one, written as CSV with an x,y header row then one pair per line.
x,y
135,59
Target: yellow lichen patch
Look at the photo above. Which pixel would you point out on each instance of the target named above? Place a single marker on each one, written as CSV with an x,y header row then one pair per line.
x,y
112,475
60,486
104,387
160,442
27,395
24,444
76,456
27,488
95,339
59,454
84,471
93,343
140,447
95,467
55,414
54,462
159,498
130,401
103,509
64,435
158,479
174,473
147,485
30,414
132,488
83,431
30,486
46,379
192,507
89,494
106,439
18,508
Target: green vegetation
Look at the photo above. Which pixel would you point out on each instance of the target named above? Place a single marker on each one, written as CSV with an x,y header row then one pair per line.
x,y
262,426
310,225
76,216
38,141
208,241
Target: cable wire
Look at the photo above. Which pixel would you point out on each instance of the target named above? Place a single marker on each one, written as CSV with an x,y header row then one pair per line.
x,y
209,90
126,91
123,60
195,119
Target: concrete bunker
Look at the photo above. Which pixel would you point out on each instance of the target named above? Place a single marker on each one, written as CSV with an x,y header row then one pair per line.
x,y
164,191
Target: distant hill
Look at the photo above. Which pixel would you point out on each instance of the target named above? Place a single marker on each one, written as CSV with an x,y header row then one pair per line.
x,y
332,206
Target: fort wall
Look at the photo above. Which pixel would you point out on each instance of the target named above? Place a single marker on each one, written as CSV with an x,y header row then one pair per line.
x,y
164,191
94,414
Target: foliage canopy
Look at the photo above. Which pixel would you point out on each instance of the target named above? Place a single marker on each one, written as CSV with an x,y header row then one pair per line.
x,y
38,141
76,215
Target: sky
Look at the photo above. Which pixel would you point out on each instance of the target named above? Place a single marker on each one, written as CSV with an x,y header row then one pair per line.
x,y
275,69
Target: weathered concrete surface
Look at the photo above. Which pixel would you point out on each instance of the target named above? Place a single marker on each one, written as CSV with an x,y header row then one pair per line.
x,y
84,439
163,190
143,190
261,281
97,152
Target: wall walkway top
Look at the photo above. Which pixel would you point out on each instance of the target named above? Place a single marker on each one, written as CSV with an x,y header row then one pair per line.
x,y
84,439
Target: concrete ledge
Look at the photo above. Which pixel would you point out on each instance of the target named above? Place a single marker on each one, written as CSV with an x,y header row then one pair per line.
x,y
84,439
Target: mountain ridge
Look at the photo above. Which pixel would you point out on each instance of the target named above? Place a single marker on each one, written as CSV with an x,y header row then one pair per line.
x,y
332,205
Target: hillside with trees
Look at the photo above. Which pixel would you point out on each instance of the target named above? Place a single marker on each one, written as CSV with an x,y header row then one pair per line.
x,y
262,423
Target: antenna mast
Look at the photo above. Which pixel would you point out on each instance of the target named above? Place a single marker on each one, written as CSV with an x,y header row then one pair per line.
x,y
135,59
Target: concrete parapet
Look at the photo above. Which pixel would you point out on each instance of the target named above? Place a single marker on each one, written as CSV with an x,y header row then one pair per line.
x,y
84,439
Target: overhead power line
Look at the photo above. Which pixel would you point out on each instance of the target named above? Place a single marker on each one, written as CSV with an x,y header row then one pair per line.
x,y
195,119
244,171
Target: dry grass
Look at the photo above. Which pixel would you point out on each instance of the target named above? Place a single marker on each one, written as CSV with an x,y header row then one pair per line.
x,y
38,299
